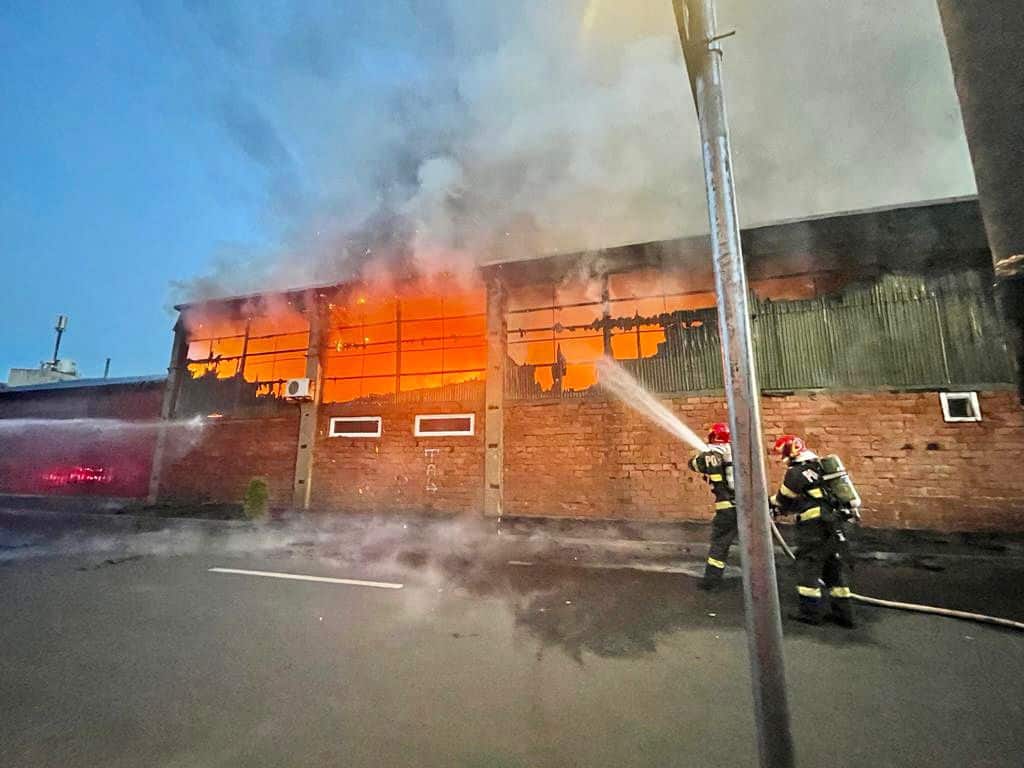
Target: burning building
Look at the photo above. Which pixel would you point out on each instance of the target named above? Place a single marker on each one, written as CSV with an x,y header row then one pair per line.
x,y
876,336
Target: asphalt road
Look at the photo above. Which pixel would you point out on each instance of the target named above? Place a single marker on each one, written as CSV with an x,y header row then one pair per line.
x,y
154,660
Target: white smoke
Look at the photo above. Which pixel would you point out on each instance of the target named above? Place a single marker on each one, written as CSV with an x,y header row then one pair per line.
x,y
469,131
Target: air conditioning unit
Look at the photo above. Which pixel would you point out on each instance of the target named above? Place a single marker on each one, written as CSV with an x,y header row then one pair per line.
x,y
298,389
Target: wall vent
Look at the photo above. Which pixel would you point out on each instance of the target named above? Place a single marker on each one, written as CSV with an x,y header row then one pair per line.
x,y
960,406
444,425
355,426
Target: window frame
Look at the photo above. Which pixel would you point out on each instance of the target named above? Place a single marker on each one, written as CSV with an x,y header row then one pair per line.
x,y
331,432
973,404
418,432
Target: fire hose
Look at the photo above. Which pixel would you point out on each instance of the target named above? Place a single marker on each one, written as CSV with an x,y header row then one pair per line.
x,y
932,609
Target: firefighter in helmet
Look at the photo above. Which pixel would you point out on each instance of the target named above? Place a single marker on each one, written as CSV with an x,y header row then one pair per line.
x,y
821,534
715,464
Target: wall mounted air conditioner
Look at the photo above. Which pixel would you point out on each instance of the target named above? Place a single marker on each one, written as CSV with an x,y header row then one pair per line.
x,y
298,389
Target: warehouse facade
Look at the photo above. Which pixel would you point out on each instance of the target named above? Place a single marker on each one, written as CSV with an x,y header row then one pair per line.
x,y
876,338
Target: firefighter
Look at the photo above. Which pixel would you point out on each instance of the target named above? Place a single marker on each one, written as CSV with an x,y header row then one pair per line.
x,y
715,464
822,573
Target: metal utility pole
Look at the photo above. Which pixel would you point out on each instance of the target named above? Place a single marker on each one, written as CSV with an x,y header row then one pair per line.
x,y
60,327
701,49
983,38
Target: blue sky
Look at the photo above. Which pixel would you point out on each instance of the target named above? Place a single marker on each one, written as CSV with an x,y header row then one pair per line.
x,y
106,196
153,149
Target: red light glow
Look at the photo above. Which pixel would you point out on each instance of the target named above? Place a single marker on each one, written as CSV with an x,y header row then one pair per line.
x,y
78,475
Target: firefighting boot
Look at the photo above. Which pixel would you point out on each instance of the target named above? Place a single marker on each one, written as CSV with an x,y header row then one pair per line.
x,y
841,607
714,570
809,606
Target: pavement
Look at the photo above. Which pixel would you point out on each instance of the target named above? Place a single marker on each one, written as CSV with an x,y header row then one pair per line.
x,y
120,647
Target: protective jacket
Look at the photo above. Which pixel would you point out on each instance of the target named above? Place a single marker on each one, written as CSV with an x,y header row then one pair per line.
x,y
822,571
803,492
715,464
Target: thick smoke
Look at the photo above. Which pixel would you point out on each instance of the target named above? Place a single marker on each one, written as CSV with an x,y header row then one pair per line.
x,y
441,133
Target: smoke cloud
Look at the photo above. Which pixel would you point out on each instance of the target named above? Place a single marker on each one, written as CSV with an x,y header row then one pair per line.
x,y
443,133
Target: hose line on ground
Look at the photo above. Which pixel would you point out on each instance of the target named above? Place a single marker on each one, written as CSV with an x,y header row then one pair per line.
x,y
934,610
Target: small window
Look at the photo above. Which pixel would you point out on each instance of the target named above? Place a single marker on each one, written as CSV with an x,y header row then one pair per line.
x,y
445,425
355,426
960,406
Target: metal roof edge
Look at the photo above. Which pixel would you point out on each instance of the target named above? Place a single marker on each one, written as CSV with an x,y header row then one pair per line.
x,y
84,384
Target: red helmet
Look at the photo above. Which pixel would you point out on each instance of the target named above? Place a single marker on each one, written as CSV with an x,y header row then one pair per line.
x,y
788,446
718,433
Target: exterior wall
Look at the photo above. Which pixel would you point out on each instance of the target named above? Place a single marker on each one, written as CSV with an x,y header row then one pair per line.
x,y
595,458
390,473
61,451
217,464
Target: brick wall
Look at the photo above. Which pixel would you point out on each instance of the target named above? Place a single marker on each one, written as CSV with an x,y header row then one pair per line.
x,y
913,469
595,458
389,474
217,463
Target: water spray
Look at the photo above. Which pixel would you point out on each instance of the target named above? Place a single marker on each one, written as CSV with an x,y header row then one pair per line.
x,y
616,380
89,424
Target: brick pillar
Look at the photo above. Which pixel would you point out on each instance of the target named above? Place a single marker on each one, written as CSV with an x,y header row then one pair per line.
x,y
308,411
497,338
175,370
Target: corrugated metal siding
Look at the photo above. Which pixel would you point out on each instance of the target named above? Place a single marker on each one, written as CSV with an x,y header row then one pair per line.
x,y
901,331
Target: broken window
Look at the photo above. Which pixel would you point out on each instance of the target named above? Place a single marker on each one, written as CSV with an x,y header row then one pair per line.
x,y
241,355
557,333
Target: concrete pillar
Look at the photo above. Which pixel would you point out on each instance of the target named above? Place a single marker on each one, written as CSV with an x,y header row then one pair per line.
x,y
309,411
175,370
494,415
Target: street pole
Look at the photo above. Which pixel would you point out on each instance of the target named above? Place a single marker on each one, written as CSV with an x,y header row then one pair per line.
x,y
701,48
983,38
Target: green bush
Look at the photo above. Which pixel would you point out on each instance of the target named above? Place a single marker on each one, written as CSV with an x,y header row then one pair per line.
x,y
257,495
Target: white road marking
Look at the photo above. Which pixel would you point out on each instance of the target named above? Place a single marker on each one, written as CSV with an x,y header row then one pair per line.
x,y
697,570
304,577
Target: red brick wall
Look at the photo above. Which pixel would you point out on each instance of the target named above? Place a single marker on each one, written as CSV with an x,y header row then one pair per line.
x,y
389,474
218,463
913,469
594,458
